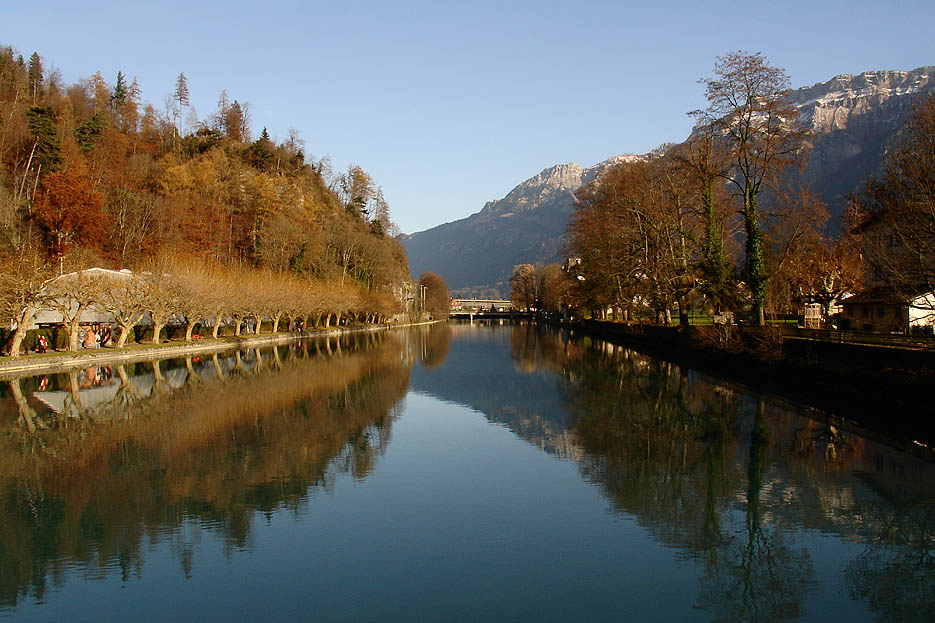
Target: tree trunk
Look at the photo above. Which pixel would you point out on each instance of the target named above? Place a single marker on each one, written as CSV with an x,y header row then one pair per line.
x,y
18,338
755,262
157,329
124,334
683,314
189,329
25,319
72,329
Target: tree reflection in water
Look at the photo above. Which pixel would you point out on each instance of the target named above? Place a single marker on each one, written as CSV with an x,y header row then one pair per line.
x,y
759,578
731,480
437,342
160,456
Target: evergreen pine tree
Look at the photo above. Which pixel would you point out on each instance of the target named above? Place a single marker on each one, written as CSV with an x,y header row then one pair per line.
x,y
35,77
48,145
261,153
87,134
119,98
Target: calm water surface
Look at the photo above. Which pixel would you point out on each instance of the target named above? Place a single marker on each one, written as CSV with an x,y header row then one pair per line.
x,y
462,472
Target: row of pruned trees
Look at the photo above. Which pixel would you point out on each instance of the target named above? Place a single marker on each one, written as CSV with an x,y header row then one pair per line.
x,y
180,290
722,215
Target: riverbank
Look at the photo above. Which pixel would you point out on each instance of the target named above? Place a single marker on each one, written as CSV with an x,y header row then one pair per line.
x,y
883,388
63,361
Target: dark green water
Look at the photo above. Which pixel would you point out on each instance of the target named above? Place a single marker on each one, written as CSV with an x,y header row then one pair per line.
x,y
485,472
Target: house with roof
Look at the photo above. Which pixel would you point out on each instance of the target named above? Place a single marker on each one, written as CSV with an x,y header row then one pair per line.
x,y
884,310
899,266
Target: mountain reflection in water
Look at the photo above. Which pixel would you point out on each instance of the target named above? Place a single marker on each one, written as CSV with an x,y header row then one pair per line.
x,y
729,479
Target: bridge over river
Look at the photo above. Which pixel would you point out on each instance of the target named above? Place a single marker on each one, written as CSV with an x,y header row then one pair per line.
x,y
485,308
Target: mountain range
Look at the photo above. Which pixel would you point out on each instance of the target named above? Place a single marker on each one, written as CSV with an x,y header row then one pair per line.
x,y
853,120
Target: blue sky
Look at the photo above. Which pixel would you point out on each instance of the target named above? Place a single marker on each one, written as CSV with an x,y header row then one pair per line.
x,y
451,104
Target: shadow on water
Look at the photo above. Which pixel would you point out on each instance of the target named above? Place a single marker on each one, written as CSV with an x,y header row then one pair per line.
x,y
98,465
731,480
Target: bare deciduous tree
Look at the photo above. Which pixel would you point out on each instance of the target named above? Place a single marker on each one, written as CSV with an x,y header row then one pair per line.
x,y
24,278
750,113
72,295
123,297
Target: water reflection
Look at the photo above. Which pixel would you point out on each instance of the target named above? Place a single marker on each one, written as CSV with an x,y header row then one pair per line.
x,y
99,465
740,506
691,457
436,345
739,484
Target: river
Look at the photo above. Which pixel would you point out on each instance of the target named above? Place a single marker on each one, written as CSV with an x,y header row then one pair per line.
x,y
463,472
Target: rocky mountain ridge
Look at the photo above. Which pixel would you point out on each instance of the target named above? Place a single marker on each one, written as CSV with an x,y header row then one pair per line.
x,y
828,106
551,184
853,119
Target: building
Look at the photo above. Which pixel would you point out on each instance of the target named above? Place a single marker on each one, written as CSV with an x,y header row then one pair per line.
x,y
49,315
883,310
898,262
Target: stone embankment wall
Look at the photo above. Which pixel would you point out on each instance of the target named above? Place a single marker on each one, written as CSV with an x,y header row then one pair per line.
x,y
882,387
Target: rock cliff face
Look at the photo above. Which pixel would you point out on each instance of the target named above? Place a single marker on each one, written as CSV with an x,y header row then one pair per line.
x,y
834,105
853,119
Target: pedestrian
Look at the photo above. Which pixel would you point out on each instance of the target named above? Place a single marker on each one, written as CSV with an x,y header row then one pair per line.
x,y
88,339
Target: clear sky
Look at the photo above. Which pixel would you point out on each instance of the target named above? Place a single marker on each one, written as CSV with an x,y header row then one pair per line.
x,y
451,104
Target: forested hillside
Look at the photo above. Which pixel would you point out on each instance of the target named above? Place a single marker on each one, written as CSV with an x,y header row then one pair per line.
x,y
90,174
